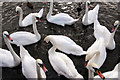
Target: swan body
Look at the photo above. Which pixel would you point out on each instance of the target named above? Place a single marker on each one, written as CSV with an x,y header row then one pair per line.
x,y
8,58
26,38
28,19
29,65
102,31
59,19
62,64
91,15
65,44
96,55
111,74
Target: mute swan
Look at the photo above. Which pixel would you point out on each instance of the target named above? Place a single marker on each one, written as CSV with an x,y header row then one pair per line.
x,y
112,74
31,68
8,58
95,57
59,19
65,44
91,15
28,19
62,64
26,38
102,31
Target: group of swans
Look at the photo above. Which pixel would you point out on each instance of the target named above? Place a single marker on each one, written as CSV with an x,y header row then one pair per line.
x,y
31,68
96,54
61,63
95,57
26,38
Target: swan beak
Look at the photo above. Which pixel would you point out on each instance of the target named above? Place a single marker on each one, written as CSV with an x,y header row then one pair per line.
x,y
100,74
86,62
38,19
88,6
115,26
17,13
44,68
9,38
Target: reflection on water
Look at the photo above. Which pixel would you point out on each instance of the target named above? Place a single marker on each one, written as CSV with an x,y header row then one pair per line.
x,y
82,35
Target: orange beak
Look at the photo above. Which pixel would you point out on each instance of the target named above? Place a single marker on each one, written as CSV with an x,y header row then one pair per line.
x,y
17,13
44,68
9,38
100,74
86,62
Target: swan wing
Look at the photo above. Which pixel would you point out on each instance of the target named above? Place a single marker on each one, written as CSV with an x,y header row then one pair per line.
x,y
6,58
40,13
28,64
23,38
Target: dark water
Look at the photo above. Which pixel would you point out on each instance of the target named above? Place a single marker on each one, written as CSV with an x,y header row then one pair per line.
x,y
82,35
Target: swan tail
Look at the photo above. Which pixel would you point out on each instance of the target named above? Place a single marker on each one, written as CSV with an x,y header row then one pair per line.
x,y
79,76
96,9
40,13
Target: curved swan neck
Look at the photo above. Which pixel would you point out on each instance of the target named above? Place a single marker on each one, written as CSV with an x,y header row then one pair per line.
x,y
86,11
52,50
20,17
50,10
38,71
113,33
35,28
96,22
15,56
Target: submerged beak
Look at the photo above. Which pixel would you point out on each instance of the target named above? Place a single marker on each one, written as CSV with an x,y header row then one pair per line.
x,y
100,74
17,13
44,68
86,62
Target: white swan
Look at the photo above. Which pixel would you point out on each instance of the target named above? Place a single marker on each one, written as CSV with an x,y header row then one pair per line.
x,y
91,15
95,57
28,19
102,31
31,68
8,58
59,19
26,38
62,64
65,44
112,74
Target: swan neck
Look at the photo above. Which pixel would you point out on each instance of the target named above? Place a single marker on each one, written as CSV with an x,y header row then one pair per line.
x,y
86,11
35,28
50,10
20,17
15,56
91,74
52,50
113,33
38,71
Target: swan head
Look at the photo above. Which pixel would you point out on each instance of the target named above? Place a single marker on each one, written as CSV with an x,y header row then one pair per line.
x,y
18,9
35,17
6,35
116,24
40,63
88,4
94,67
89,56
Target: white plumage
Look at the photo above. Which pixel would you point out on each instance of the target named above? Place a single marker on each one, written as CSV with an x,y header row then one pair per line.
x,y
8,58
26,38
91,15
65,44
59,19
29,65
28,19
